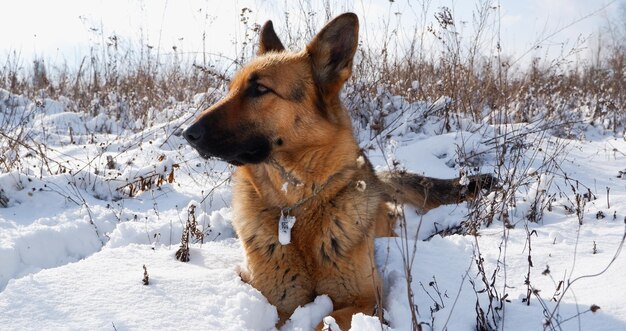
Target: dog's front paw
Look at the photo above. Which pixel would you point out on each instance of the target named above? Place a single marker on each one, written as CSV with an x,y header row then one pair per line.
x,y
243,273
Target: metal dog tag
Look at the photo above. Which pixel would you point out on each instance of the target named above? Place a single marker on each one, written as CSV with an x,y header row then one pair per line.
x,y
285,223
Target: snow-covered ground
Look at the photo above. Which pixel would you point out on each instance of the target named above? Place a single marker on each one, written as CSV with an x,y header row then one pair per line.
x,y
83,221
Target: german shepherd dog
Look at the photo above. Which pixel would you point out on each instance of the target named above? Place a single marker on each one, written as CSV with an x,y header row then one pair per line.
x,y
307,202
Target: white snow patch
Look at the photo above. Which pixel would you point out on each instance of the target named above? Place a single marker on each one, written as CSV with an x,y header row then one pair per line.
x,y
73,242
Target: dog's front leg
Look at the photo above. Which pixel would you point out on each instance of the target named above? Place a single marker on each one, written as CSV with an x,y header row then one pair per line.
x,y
343,317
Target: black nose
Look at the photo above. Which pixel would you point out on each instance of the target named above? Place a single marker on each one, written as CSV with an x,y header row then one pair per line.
x,y
193,134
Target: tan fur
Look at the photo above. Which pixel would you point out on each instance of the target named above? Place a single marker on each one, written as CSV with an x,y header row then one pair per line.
x,y
315,164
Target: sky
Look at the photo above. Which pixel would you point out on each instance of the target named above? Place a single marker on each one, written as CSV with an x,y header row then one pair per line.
x,y
63,30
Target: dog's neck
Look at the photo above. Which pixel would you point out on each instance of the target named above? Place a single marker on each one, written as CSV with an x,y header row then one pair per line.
x,y
290,179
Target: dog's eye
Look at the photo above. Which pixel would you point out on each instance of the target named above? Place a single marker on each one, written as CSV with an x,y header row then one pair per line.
x,y
256,89
261,89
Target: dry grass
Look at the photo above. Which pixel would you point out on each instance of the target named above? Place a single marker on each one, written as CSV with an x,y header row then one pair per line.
x,y
128,82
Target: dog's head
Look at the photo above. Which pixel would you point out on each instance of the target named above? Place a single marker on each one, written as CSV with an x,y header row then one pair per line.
x,y
280,101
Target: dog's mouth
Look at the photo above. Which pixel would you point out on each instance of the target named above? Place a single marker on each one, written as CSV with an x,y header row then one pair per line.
x,y
252,151
235,163
254,156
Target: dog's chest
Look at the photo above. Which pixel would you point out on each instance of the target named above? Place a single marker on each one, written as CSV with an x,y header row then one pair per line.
x,y
327,233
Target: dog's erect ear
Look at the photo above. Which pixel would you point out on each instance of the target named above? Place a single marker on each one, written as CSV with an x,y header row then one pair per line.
x,y
332,50
268,40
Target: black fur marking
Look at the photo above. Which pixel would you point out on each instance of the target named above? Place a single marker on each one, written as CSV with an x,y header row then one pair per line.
x,y
320,104
270,249
279,141
335,246
251,239
338,224
297,93
293,278
323,253
282,297
254,150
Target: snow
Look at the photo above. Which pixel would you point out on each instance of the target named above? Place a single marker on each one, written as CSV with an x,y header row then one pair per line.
x,y
309,316
104,290
74,239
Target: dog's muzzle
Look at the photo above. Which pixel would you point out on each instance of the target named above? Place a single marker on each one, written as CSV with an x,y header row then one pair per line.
x,y
236,148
